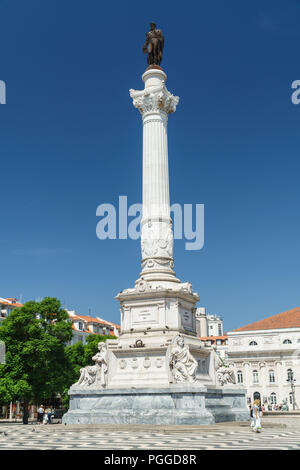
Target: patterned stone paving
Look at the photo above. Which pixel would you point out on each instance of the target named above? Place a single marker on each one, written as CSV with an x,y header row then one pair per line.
x,y
16,436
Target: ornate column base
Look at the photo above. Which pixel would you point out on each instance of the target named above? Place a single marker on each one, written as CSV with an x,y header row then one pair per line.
x,y
158,308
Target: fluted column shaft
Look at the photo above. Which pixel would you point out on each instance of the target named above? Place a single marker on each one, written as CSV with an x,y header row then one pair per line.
x,y
155,102
156,197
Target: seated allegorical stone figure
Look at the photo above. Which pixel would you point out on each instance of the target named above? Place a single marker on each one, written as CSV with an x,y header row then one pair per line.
x,y
183,365
224,372
95,375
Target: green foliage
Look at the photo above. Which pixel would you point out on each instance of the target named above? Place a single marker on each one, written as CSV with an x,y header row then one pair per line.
x,y
36,366
38,362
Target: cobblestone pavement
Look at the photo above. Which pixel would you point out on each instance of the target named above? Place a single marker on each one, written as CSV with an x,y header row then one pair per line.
x,y
284,435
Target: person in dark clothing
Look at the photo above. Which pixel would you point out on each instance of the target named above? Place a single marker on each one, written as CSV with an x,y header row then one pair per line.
x,y
40,414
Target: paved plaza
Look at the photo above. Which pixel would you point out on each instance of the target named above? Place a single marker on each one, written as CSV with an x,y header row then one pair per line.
x,y
280,434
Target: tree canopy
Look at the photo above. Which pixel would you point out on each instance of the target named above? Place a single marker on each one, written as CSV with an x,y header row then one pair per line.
x,y
35,337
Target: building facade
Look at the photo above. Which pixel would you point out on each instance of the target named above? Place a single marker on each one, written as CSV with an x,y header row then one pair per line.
x,y
7,305
85,325
208,324
209,329
266,358
220,345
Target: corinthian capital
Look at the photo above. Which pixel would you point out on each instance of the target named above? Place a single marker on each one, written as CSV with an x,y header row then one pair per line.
x,y
154,100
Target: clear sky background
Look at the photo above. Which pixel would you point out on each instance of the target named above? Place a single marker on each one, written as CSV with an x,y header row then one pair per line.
x,y
70,139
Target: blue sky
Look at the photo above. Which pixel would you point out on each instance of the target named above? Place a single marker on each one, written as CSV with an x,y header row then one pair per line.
x,y
70,140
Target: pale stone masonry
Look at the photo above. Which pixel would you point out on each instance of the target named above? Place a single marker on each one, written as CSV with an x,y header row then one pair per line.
x,y
158,371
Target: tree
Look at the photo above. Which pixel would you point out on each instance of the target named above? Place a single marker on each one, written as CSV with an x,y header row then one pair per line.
x,y
36,365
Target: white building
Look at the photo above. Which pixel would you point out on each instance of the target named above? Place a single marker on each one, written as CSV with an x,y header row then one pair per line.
x,y
209,329
85,325
7,305
266,358
219,343
207,324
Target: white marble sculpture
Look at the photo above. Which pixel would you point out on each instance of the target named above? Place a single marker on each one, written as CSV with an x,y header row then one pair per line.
x,y
224,372
95,376
183,365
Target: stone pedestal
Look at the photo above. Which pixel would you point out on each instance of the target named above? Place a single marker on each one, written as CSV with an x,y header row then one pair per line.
x,y
177,405
144,361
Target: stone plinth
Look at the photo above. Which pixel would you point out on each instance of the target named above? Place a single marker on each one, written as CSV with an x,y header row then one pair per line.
x,y
158,309
139,361
177,404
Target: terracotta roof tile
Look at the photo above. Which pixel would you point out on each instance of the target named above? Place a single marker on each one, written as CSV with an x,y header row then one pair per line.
x,y
207,338
213,339
89,319
288,319
10,303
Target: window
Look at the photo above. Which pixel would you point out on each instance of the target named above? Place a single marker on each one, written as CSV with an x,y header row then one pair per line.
x,y
220,329
273,399
240,377
287,341
290,374
80,326
255,377
271,376
219,342
253,343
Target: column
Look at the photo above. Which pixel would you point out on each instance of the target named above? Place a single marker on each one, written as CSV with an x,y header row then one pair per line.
x,y
155,103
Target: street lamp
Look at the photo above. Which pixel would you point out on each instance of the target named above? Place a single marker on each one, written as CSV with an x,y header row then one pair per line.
x,y
292,381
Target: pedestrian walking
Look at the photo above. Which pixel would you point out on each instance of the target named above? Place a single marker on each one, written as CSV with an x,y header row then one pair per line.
x,y
49,414
45,417
40,414
256,424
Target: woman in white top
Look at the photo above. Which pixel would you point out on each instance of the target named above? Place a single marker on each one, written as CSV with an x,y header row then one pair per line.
x,y
256,425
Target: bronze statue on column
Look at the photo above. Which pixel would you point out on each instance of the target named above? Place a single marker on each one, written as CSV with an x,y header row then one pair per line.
x,y
154,45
